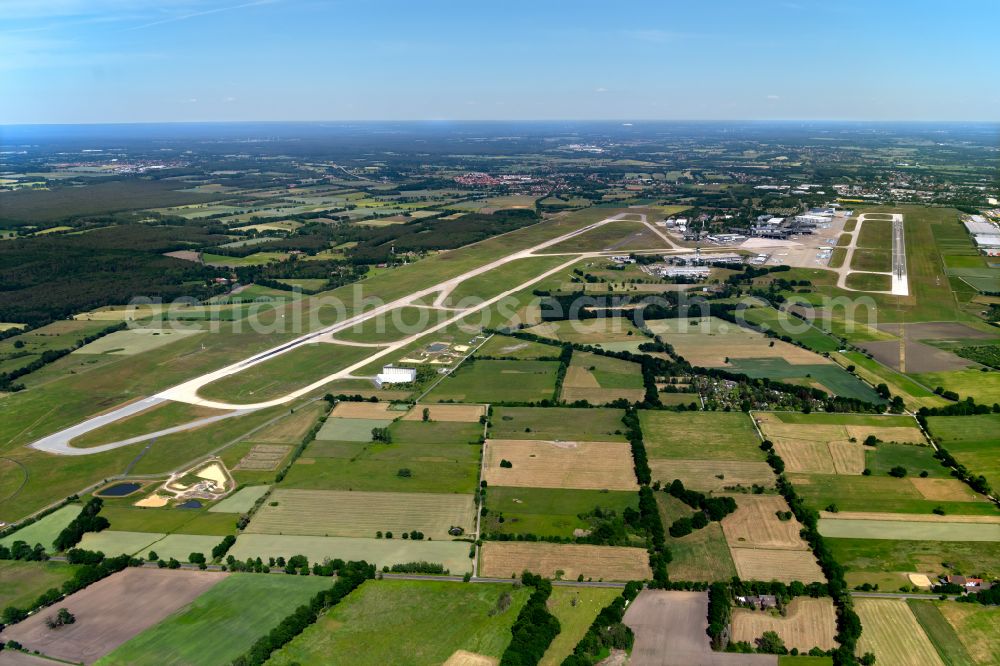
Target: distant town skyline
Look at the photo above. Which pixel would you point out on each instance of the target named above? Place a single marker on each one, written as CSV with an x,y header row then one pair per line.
x,y
95,61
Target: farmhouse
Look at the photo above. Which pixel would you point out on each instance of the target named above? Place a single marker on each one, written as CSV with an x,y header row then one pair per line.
x,y
762,602
392,375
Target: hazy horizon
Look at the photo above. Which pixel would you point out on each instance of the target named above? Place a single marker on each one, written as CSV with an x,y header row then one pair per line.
x,y
156,61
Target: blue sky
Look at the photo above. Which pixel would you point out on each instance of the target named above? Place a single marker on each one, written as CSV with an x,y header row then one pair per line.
x,y
73,61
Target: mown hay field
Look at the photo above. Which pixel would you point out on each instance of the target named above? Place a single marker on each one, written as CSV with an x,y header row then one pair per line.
x,y
501,559
575,608
893,635
502,381
976,627
809,623
712,475
782,565
755,524
350,430
362,514
540,464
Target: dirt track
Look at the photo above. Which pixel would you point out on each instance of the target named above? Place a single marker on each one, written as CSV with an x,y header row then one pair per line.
x,y
111,611
670,631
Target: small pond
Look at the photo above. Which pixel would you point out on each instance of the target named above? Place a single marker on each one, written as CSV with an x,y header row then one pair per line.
x,y
190,504
119,489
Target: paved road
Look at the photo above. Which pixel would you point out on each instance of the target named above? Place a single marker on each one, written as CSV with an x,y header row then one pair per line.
x,y
59,443
900,286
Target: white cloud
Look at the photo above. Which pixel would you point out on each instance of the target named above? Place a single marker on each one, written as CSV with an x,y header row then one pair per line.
x,y
773,97
600,90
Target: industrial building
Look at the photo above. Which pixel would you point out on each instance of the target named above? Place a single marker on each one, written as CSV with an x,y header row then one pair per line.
x,y
392,375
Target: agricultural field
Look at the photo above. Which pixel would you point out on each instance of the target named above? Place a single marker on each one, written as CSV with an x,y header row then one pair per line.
x,y
887,562
437,456
714,343
893,635
887,494
973,440
703,554
809,623
910,530
542,464
112,611
974,626
548,511
611,333
501,559
498,381
241,501
502,346
683,436
428,622
601,379
453,555
240,607
781,565
362,514
44,530
712,476
781,323
557,424
21,583
575,608
447,413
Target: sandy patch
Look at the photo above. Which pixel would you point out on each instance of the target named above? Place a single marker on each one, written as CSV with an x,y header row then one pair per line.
x,y
213,472
464,658
920,580
154,501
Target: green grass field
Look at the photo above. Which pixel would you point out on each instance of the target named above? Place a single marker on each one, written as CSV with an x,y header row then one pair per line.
x,y
976,628
283,374
548,511
393,325
127,518
454,555
973,440
702,555
970,382
165,415
502,346
575,608
684,436
784,324
21,583
241,501
442,457
503,278
180,546
350,430
408,622
941,634
558,423
609,372
875,421
497,381
45,530
598,332
241,608
869,559
915,459
875,493
114,542
872,259
837,380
